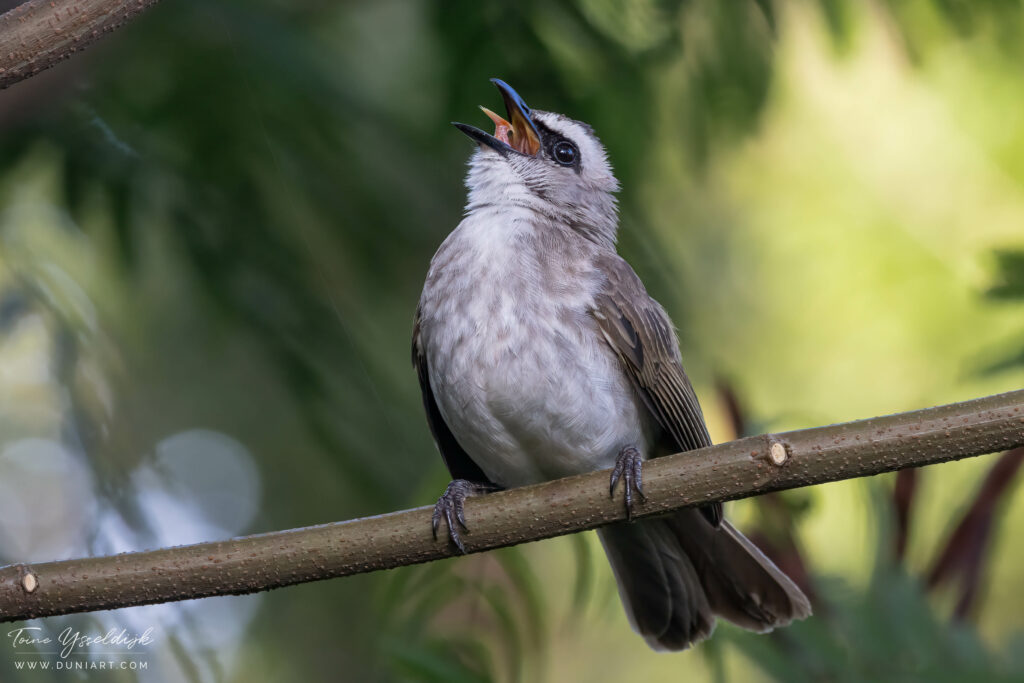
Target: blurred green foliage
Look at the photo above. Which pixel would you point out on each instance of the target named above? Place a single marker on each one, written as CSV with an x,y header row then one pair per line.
x,y
213,230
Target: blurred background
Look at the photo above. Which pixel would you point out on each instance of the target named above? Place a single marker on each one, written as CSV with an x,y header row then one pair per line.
x,y
214,228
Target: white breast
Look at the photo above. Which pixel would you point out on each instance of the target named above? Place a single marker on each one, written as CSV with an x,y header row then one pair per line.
x,y
519,370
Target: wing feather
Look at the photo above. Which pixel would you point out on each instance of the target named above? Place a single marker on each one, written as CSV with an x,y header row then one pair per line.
x,y
641,334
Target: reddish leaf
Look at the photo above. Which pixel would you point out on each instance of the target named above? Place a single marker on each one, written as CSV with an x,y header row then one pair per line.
x,y
964,553
776,534
903,500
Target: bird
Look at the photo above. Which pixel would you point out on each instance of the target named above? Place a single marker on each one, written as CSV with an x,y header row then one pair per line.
x,y
541,355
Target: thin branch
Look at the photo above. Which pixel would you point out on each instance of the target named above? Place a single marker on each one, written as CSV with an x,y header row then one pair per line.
x,y
736,469
37,34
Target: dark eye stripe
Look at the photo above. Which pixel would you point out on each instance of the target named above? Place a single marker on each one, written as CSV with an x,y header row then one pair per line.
x,y
552,139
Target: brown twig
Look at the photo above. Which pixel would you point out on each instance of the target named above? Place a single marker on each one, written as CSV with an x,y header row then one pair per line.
x,y
736,469
37,34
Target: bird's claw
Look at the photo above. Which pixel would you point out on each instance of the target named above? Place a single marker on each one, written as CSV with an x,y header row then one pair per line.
x,y
451,508
629,467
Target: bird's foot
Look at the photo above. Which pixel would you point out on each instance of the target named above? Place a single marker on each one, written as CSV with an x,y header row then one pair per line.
x,y
451,508
629,467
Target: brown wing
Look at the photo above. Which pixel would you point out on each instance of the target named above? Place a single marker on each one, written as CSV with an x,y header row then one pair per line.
x,y
641,334
459,464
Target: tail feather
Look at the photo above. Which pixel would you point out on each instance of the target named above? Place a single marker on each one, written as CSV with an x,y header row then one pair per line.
x,y
676,573
741,583
659,586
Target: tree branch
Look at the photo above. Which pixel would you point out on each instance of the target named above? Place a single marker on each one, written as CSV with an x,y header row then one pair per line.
x,y
736,469
37,34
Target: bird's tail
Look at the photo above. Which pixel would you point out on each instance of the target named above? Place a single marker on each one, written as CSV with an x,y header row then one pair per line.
x,y
677,573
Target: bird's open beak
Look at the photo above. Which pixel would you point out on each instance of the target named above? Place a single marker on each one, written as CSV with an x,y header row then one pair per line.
x,y
519,134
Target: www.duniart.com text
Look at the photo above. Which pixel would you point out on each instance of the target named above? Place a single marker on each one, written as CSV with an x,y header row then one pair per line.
x,y
80,666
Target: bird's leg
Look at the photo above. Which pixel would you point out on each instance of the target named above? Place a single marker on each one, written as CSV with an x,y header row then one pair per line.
x,y
450,507
629,467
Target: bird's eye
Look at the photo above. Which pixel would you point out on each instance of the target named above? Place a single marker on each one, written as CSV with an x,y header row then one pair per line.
x,y
565,153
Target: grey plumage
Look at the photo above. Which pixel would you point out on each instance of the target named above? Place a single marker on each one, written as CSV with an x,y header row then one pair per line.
x,y
541,355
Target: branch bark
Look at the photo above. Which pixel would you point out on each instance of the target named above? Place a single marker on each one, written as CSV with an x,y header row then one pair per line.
x,y
37,34
736,469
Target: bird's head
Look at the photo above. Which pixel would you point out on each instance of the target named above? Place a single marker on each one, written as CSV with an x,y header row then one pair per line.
x,y
544,162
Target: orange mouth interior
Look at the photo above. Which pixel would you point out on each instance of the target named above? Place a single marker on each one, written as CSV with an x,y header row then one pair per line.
x,y
520,139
